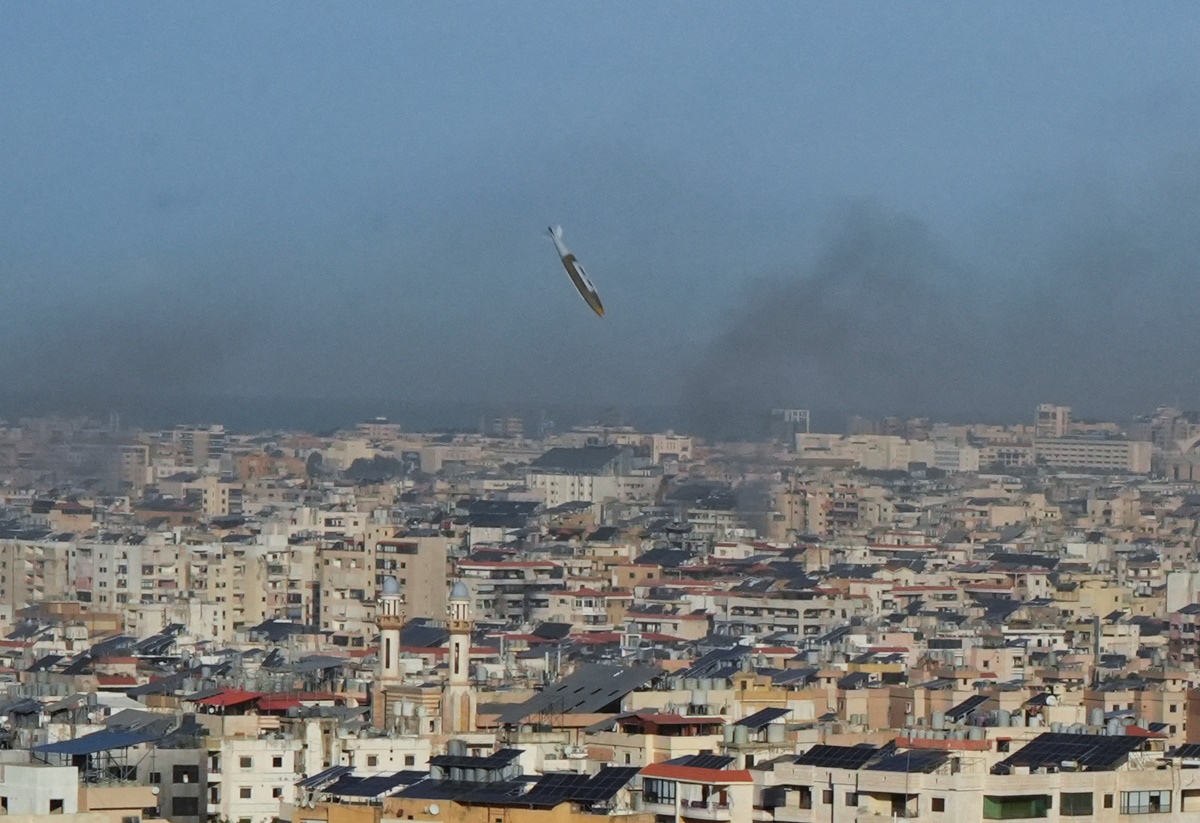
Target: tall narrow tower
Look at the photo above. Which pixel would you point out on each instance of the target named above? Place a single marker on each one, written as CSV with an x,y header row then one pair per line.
x,y
458,699
390,617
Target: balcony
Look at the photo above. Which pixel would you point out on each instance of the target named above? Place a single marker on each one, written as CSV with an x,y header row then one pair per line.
x,y
704,810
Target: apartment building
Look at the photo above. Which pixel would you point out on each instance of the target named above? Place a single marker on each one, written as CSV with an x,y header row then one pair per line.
x,y
565,475
1051,421
418,563
509,591
1118,456
32,571
1051,776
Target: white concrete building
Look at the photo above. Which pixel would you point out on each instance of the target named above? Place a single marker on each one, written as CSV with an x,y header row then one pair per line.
x,y
1123,456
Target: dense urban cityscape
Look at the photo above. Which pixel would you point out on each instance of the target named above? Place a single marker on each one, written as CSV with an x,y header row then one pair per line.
x,y
909,619
540,412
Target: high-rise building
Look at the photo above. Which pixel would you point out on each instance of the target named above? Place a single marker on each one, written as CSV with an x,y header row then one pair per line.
x,y
200,444
418,564
786,424
379,428
1052,421
1109,454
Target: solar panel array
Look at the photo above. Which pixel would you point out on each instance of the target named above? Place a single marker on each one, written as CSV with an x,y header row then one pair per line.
x,y
1190,751
710,761
910,762
1090,752
761,718
605,784
101,741
964,709
837,757
374,786
325,777
707,664
553,789
497,793
705,760
45,663
549,790
439,790
495,760
588,690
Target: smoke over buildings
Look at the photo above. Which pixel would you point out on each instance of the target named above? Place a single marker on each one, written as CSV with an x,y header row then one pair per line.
x,y
1083,291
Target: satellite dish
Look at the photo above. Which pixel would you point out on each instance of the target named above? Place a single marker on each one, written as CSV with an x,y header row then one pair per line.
x,y
433,808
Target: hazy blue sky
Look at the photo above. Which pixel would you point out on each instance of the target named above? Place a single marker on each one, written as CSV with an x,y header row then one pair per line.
x,y
325,198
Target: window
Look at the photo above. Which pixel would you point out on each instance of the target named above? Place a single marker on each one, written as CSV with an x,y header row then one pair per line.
x,y
247,762
372,760
851,799
1015,806
244,792
1156,802
56,806
1075,803
1003,745
185,806
658,791
155,778
276,762
185,774
938,804
277,791
827,797
411,760
1108,799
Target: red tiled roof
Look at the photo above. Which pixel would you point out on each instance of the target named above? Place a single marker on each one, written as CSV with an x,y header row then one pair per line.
x,y
945,745
116,680
597,637
673,719
1138,731
665,617
230,697
775,650
691,774
659,637
283,702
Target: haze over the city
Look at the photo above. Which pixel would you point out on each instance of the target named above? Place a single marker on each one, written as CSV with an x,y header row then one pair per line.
x,y
938,208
